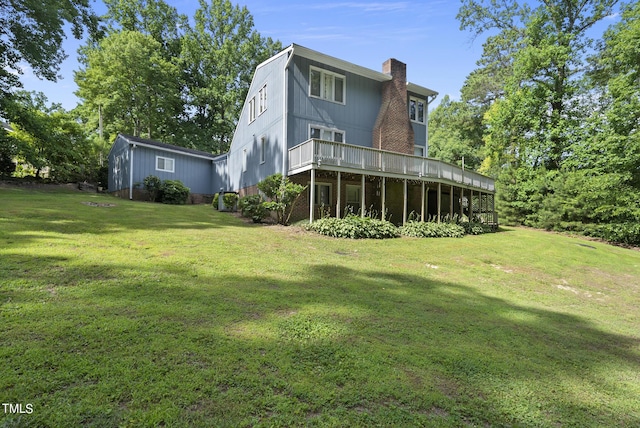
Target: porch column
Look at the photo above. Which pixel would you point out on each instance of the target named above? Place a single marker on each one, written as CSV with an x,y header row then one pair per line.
x,y
384,197
338,196
439,201
312,194
422,206
471,205
362,200
404,205
451,203
461,202
426,202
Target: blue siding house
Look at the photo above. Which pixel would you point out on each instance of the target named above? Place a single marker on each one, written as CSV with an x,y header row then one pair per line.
x,y
132,159
356,137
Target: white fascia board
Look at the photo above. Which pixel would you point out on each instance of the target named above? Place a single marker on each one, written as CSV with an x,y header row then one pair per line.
x,y
421,90
339,63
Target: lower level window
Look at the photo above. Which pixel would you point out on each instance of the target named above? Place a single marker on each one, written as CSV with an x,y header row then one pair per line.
x,y
322,194
164,164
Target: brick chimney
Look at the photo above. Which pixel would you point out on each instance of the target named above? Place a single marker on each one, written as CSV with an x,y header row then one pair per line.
x,y
393,131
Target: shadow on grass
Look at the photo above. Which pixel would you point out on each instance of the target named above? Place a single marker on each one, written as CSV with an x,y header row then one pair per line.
x,y
334,346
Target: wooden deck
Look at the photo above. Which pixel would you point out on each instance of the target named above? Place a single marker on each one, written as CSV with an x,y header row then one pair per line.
x,y
328,155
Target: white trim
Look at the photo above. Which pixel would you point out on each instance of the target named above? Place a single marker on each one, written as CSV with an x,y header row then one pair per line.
x,y
421,90
165,159
327,128
150,146
251,105
324,74
418,101
263,149
262,99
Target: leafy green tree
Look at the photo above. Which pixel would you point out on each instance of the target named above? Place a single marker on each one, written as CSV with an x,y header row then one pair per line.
x,y
32,32
455,132
48,137
219,55
133,86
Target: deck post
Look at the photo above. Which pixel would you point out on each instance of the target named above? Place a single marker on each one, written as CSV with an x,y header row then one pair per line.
x,y
471,205
404,205
362,200
422,205
384,197
338,197
451,203
461,202
312,194
439,201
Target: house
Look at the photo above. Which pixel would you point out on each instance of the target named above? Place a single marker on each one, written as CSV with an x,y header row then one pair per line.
x,y
132,159
356,137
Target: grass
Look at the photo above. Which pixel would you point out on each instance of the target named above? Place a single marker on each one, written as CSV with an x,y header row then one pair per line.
x,y
152,315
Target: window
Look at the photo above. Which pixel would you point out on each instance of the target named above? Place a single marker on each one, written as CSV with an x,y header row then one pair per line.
x,y
164,164
418,151
244,160
327,134
326,85
354,197
322,194
416,110
262,100
252,109
263,149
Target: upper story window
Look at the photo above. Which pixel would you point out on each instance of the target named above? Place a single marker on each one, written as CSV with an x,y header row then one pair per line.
x,y
416,110
326,85
252,109
262,98
327,134
164,164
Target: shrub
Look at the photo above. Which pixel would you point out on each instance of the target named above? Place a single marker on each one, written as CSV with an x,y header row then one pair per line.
x,y
253,207
418,229
622,233
152,185
214,203
354,227
173,192
475,228
230,199
282,194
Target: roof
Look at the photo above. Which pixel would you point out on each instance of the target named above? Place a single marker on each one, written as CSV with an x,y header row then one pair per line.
x,y
169,147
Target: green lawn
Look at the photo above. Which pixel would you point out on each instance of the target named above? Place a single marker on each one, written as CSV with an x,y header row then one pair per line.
x,y
152,315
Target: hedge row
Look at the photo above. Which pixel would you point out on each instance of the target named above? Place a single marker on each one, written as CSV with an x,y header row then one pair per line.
x,y
356,227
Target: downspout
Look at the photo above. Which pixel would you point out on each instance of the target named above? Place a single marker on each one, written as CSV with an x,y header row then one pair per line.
x,y
285,115
131,147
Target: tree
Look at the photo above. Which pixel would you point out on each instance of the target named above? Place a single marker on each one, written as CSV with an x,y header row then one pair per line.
x,y
219,56
32,32
282,195
544,49
455,132
134,87
48,137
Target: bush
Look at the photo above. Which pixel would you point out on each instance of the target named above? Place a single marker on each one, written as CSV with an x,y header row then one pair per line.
x,y
214,203
282,195
354,227
475,228
152,185
622,233
253,207
418,229
173,192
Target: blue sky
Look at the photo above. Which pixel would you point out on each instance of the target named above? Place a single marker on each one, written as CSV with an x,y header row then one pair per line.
x,y
423,34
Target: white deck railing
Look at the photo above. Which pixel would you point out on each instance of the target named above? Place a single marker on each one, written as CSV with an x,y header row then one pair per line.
x,y
320,152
